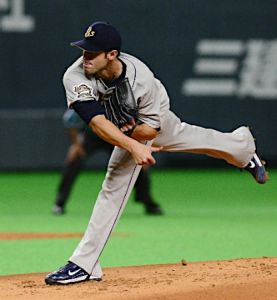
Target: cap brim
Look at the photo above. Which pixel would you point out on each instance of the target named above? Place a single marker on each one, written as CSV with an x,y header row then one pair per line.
x,y
85,45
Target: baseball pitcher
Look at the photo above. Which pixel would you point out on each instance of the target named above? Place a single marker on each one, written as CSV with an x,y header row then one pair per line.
x,y
122,101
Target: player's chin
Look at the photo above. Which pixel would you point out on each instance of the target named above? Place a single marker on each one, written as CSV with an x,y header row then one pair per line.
x,y
88,72
88,69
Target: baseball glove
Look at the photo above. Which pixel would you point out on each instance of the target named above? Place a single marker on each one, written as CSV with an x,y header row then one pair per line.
x,y
120,105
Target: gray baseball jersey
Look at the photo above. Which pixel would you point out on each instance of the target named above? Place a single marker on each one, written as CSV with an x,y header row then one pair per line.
x,y
144,86
236,148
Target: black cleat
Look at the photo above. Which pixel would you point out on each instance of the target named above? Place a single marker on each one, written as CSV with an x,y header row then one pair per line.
x,y
70,273
153,209
257,169
58,210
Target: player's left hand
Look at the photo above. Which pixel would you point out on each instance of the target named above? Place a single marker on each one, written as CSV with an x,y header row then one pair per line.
x,y
128,127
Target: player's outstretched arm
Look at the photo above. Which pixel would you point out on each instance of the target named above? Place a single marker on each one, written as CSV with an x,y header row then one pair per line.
x,y
142,132
107,131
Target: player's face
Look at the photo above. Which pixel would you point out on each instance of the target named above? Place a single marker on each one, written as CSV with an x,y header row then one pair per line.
x,y
94,62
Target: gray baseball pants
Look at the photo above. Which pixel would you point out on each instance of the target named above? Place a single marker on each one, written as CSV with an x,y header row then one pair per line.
x,y
237,148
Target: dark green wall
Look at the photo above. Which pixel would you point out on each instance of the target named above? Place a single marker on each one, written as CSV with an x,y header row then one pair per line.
x,y
178,39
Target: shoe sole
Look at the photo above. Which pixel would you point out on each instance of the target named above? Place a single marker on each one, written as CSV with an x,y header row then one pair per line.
x,y
264,179
64,282
95,278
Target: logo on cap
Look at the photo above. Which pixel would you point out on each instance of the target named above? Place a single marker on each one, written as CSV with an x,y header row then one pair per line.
x,y
89,32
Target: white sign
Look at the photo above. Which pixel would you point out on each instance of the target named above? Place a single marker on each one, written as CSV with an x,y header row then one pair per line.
x,y
14,18
234,68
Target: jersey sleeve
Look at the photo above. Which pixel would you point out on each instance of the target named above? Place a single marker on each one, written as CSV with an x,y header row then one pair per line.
x,y
88,109
77,88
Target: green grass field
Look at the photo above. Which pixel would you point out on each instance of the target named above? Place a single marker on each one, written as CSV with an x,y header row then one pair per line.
x,y
209,215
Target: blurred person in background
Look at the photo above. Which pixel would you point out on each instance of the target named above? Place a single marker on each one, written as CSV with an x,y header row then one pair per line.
x,y
83,144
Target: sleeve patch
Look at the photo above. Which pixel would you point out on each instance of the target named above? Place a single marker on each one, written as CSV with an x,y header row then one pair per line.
x,y
83,91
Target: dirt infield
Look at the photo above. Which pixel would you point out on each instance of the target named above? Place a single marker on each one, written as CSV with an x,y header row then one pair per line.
x,y
9,236
240,279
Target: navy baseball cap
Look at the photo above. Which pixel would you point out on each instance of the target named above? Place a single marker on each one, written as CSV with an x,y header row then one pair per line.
x,y
100,36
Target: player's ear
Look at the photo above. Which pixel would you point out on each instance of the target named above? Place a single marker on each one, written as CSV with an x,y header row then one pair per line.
x,y
111,55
